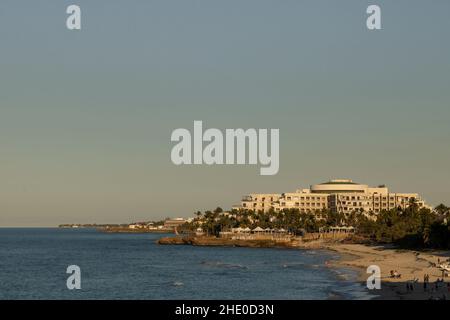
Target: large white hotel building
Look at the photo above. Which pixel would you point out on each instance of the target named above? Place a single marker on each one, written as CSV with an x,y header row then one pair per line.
x,y
343,196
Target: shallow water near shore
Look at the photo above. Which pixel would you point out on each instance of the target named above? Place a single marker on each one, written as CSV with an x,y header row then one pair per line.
x,y
33,264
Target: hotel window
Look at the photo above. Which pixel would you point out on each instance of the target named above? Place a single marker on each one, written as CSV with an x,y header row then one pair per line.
x,y
297,204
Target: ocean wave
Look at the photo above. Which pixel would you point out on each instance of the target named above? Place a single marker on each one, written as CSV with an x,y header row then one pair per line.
x,y
300,265
177,284
224,265
294,265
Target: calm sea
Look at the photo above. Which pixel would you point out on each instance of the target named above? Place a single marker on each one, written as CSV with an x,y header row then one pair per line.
x,y
33,263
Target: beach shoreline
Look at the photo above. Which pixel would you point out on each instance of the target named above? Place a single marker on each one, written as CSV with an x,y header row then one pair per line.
x,y
410,264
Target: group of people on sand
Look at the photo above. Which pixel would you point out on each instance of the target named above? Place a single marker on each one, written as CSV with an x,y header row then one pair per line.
x,y
438,290
434,289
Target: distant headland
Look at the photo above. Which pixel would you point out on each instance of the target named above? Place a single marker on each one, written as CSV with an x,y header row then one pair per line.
x,y
168,225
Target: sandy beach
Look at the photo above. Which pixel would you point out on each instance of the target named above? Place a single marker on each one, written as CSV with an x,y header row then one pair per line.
x,y
409,264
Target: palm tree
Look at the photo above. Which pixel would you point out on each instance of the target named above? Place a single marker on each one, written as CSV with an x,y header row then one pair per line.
x,y
442,210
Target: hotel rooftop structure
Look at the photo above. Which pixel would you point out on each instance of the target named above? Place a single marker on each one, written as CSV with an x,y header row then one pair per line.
x,y
343,196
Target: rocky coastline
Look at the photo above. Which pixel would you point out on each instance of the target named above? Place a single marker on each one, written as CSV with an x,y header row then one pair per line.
x,y
213,241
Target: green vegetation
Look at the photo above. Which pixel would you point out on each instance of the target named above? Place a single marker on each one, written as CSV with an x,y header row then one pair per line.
x,y
412,227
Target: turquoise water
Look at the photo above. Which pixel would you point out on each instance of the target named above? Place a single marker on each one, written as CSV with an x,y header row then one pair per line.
x,y
33,263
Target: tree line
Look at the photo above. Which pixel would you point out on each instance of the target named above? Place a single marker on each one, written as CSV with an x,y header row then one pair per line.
x,y
410,227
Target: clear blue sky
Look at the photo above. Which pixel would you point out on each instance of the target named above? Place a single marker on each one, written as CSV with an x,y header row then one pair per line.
x,y
86,116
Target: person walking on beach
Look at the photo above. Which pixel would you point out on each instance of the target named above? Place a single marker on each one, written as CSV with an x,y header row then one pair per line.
x,y
425,282
408,287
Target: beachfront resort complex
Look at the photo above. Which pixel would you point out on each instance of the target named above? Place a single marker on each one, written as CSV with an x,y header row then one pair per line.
x,y
342,196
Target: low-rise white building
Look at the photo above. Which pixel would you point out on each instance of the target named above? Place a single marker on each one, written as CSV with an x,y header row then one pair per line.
x,y
173,223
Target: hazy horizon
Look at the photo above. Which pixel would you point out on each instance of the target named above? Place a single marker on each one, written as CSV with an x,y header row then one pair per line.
x,y
86,116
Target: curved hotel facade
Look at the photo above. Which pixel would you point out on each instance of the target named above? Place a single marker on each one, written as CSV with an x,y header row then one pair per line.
x,y
343,196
